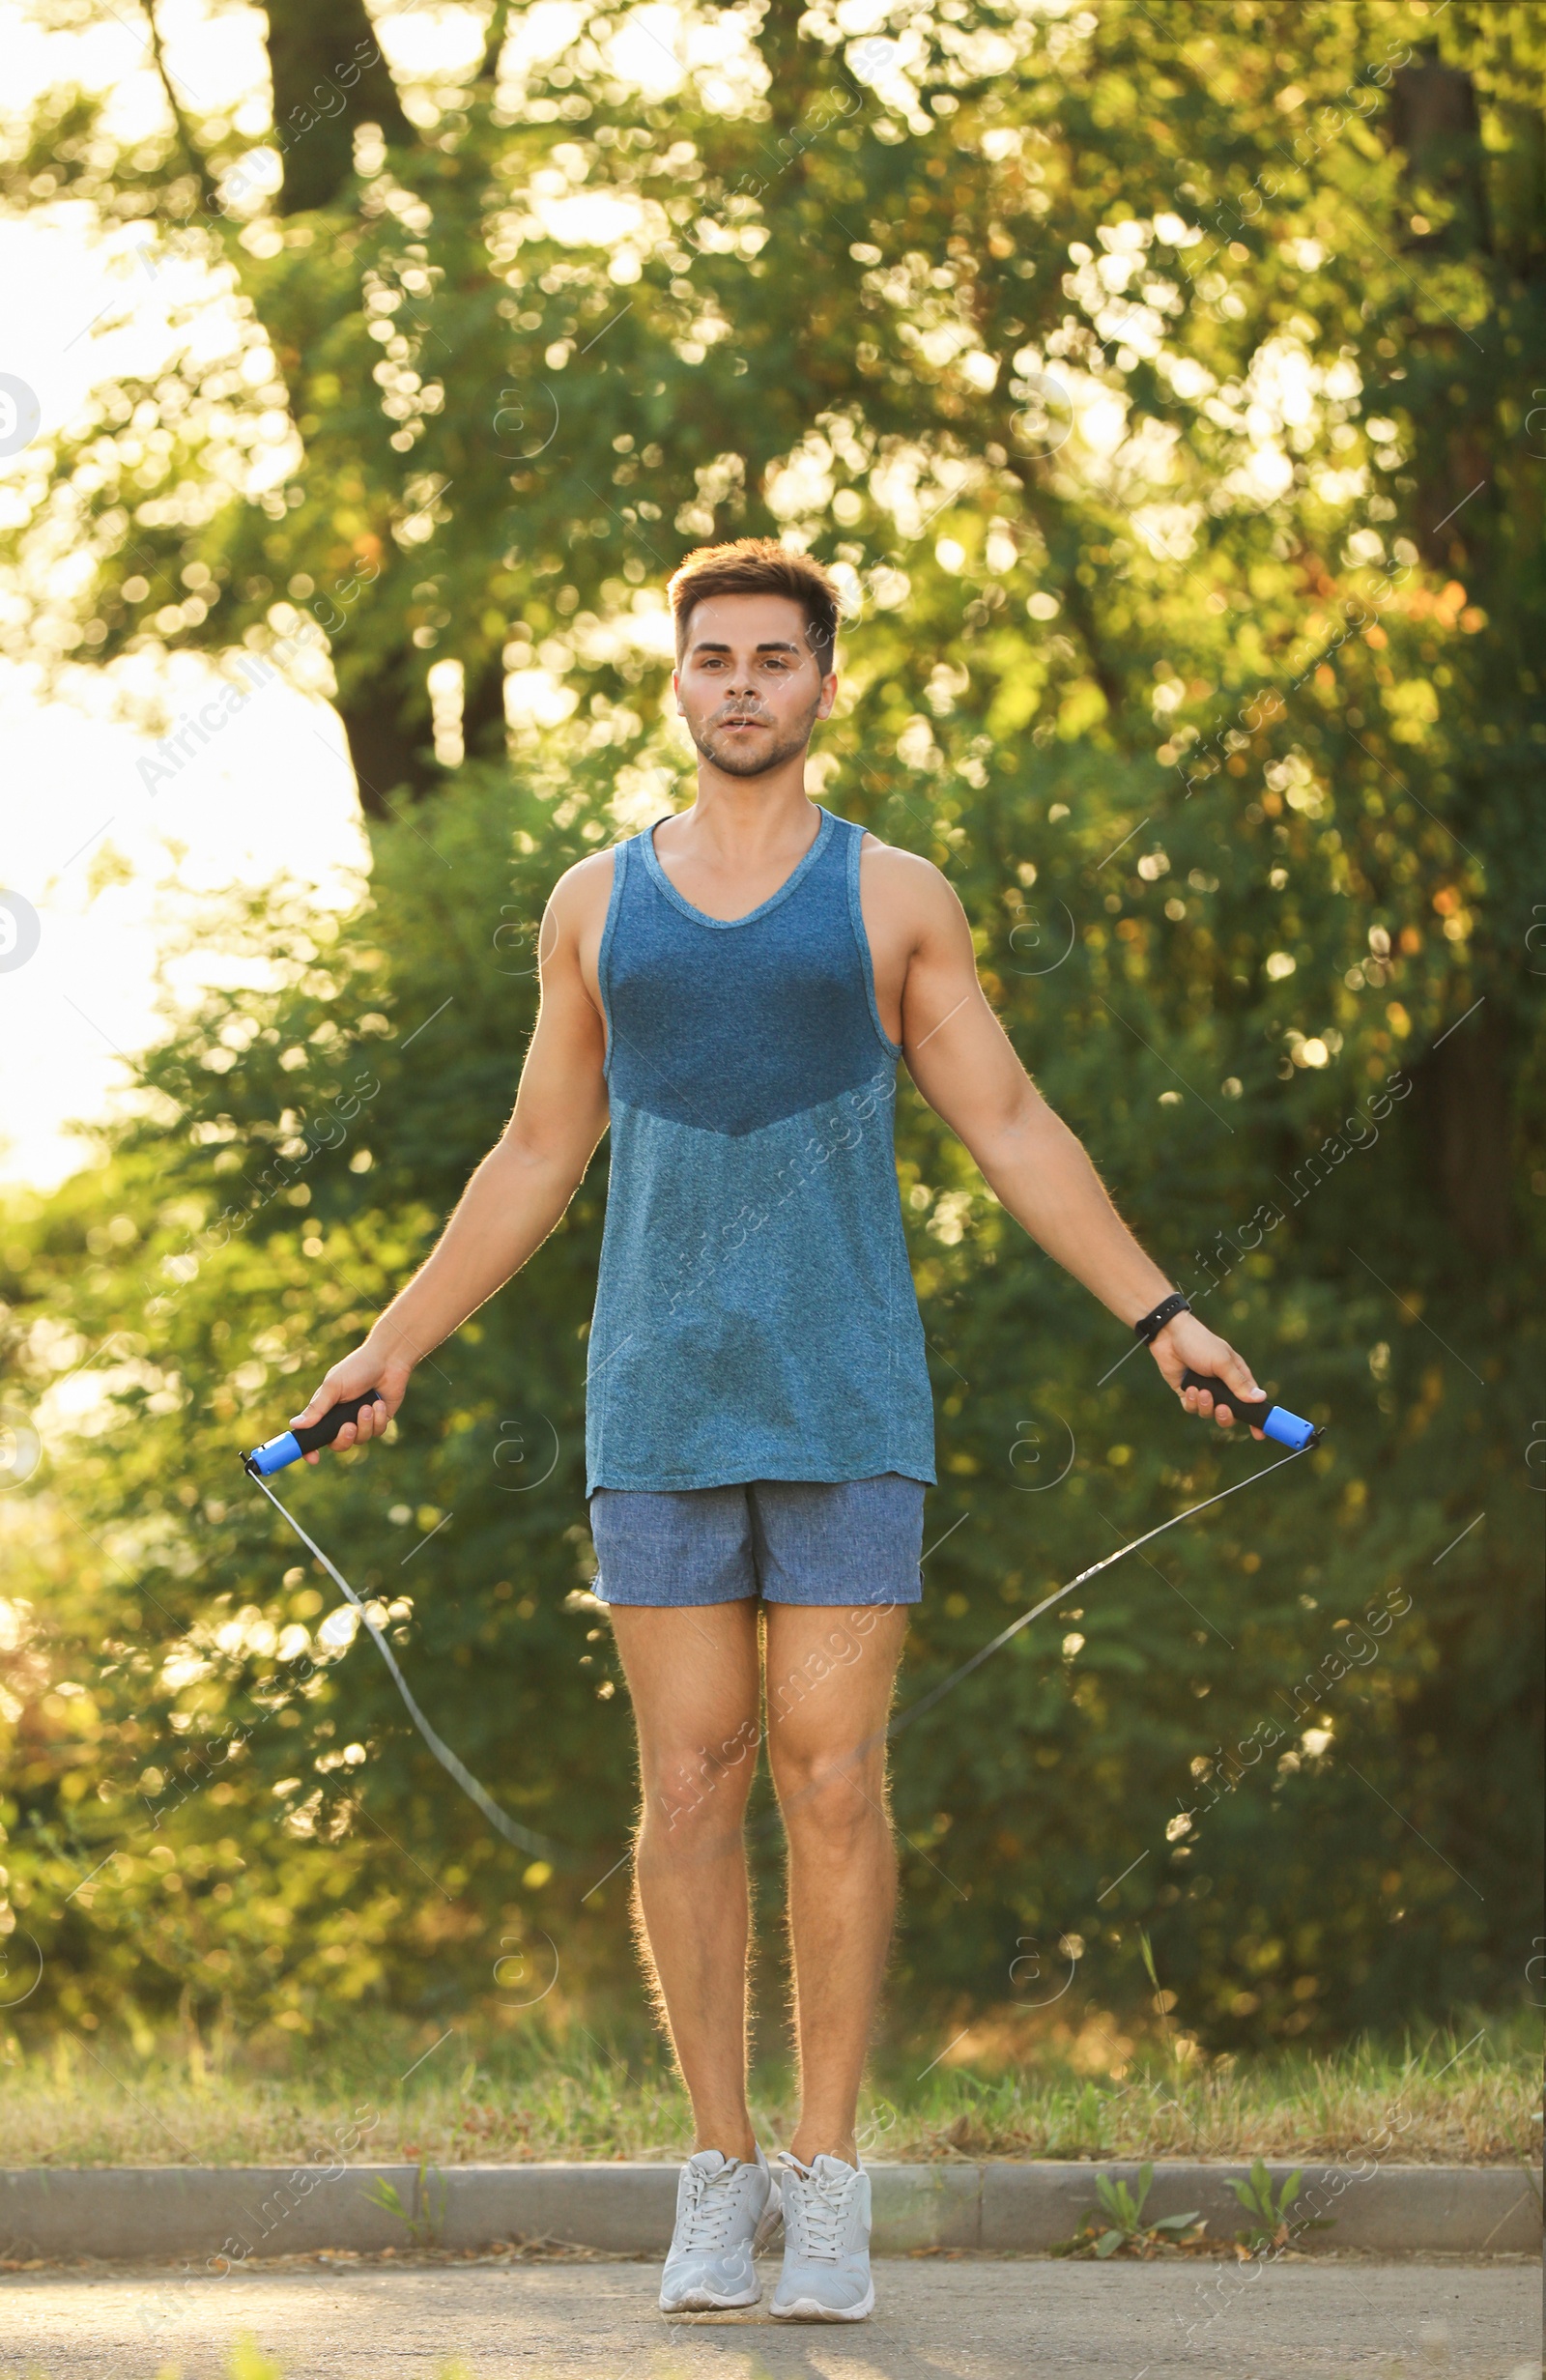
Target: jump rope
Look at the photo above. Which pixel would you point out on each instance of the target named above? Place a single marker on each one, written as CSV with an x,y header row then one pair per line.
x,y
1284,1428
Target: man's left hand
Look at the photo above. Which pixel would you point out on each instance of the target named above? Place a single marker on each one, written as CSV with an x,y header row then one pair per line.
x,y
1185,1344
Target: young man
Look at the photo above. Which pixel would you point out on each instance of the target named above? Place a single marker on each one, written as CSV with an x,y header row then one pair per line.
x,y
731,990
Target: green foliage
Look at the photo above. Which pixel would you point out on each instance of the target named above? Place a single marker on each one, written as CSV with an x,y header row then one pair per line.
x,y
1124,2229
1273,2226
425,2224
1241,802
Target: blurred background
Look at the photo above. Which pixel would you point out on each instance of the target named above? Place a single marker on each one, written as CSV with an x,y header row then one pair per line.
x,y
1168,388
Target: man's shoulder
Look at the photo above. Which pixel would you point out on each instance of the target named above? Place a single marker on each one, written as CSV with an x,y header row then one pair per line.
x,y
586,885
902,876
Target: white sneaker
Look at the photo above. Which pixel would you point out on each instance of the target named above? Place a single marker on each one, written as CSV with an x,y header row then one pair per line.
x,y
826,2243
722,2206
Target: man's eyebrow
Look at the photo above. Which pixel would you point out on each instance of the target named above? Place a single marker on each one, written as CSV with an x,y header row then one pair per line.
x,y
769,645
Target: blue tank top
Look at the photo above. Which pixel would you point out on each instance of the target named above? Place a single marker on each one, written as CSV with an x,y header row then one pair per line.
x,y
754,1314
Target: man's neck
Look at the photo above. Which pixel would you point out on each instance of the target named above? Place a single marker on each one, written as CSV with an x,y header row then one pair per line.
x,y
738,844
747,818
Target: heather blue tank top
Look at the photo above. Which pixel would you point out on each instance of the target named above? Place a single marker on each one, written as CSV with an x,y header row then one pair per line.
x,y
755,1312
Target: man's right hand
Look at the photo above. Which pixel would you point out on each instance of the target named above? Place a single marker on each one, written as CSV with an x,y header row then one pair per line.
x,y
366,1369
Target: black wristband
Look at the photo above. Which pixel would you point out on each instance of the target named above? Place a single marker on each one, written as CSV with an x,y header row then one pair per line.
x,y
1149,1326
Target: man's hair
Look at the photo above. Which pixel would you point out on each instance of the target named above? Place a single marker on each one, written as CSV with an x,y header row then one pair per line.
x,y
759,566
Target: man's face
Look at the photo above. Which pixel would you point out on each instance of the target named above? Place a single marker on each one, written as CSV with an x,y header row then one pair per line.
x,y
750,686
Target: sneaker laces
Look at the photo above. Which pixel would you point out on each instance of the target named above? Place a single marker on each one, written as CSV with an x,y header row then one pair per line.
x,y
710,2208
823,2209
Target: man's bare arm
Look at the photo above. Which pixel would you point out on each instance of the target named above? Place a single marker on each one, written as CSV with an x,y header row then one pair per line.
x,y
518,1191
962,1060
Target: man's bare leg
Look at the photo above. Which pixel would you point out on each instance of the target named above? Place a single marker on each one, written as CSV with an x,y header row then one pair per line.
x,y
693,1677
830,1672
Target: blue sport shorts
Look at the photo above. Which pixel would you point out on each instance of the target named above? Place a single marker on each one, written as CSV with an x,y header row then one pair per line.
x,y
854,1542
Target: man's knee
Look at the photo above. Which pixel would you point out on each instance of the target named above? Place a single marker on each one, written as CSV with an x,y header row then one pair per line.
x,y
835,1792
684,1780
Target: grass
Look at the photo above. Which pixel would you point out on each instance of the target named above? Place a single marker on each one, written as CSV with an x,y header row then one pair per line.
x,y
390,2093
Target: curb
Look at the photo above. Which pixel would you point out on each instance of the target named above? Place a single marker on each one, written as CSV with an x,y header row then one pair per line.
x,y
235,2212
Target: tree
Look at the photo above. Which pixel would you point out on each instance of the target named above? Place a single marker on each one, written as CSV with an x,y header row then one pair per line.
x,y
1161,391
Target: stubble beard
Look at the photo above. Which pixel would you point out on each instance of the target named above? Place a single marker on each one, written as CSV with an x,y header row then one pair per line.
x,y
734,763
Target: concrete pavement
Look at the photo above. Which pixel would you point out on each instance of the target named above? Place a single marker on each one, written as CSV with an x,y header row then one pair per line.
x,y
937,2318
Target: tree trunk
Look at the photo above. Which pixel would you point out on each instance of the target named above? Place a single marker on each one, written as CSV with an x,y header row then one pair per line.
x,y
328,76
387,727
484,723
1435,120
1463,1116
